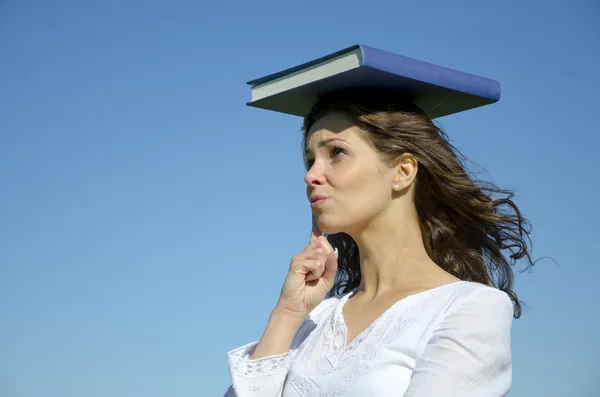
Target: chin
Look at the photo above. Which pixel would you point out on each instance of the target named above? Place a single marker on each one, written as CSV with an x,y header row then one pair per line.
x,y
330,225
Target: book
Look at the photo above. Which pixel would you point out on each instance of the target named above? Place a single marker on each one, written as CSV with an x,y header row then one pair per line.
x,y
439,91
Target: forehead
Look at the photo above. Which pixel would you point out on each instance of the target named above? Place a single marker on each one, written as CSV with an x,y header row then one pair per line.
x,y
332,125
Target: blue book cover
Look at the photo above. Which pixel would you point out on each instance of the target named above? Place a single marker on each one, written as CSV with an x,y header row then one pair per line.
x,y
438,90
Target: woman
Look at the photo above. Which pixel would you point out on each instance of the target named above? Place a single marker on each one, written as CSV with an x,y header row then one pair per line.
x,y
426,309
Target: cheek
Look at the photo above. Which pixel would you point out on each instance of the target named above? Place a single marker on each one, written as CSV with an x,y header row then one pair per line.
x,y
363,191
360,195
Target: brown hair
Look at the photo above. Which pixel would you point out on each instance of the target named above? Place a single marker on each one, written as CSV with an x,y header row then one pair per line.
x,y
466,232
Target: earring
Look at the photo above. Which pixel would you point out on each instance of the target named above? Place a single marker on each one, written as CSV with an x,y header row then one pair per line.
x,y
396,187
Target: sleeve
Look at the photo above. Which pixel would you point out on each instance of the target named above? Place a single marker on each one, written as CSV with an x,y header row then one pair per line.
x,y
264,377
469,353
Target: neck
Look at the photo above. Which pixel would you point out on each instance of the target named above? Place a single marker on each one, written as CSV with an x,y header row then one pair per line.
x,y
392,254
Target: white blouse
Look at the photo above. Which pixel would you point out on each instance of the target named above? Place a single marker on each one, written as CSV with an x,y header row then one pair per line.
x,y
452,340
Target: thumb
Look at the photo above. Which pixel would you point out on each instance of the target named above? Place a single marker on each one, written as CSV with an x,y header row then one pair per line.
x,y
315,231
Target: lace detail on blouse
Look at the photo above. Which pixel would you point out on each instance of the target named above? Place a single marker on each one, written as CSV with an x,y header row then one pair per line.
x,y
242,365
356,358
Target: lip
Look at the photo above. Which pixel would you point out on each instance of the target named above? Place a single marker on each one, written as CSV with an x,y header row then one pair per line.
x,y
317,199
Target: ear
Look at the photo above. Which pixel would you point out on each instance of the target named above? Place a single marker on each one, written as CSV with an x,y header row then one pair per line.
x,y
405,172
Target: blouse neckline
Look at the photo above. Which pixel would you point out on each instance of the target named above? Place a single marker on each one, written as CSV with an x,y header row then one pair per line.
x,y
340,330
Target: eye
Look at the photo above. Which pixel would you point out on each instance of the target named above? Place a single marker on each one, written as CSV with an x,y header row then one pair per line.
x,y
336,151
309,163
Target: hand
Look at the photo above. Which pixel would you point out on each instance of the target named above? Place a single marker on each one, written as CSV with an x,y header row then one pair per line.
x,y
311,275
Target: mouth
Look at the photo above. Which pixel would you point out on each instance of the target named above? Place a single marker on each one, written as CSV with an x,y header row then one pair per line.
x,y
317,200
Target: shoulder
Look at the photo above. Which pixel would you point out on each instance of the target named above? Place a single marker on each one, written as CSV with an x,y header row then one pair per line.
x,y
477,297
478,308
468,348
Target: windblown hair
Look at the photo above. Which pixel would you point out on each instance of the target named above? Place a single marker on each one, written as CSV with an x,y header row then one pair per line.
x,y
466,231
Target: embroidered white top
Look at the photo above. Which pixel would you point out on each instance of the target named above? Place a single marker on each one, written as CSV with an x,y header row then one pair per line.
x,y
452,340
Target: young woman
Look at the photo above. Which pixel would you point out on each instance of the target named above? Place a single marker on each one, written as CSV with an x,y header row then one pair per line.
x,y
405,287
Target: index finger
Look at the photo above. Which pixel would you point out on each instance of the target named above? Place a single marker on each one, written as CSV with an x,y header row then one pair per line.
x,y
315,232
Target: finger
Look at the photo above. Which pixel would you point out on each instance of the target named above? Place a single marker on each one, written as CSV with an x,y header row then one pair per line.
x,y
311,269
322,245
304,266
316,252
315,231
331,266
315,274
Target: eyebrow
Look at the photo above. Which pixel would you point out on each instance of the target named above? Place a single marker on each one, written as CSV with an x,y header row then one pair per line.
x,y
325,142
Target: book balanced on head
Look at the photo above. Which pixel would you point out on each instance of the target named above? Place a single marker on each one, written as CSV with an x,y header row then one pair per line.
x,y
437,90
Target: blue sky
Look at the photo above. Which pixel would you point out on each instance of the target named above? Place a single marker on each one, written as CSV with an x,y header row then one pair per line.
x,y
148,215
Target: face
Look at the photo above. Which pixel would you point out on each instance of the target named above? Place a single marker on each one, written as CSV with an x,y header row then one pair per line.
x,y
347,183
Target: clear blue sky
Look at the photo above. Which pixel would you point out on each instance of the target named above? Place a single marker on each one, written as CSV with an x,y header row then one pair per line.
x,y
147,215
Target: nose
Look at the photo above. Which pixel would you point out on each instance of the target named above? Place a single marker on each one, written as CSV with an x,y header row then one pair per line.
x,y
314,176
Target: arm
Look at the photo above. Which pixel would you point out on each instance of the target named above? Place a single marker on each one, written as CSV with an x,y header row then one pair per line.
x,y
469,353
259,369
278,335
